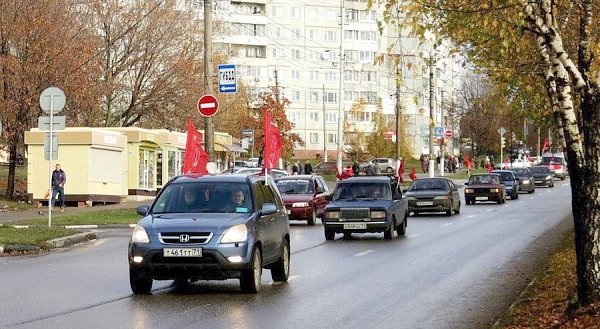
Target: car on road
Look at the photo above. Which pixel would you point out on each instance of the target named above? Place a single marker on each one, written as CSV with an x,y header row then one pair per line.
x,y
304,196
386,165
433,195
542,176
211,227
516,163
526,182
556,163
485,187
366,204
275,173
511,182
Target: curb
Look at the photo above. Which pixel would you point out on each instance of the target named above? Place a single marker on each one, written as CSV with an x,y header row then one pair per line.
x,y
70,240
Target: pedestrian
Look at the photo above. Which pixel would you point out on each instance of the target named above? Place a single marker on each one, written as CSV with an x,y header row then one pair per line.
x,y
307,168
355,168
296,168
59,178
287,167
468,165
369,169
376,169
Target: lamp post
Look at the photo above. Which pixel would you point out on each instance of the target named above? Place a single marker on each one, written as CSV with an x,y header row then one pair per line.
x,y
431,118
340,130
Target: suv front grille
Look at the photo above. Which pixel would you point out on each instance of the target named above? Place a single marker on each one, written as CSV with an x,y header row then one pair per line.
x,y
355,213
185,237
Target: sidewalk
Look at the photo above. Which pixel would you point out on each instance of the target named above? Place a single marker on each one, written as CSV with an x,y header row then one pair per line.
x,y
11,216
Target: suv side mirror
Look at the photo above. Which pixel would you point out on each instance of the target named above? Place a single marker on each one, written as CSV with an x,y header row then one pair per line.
x,y
142,210
268,208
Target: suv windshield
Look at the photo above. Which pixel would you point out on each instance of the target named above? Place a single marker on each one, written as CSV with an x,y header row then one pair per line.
x,y
351,191
295,186
193,197
429,184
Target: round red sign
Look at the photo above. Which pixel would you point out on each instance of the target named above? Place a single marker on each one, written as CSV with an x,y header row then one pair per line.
x,y
208,105
449,133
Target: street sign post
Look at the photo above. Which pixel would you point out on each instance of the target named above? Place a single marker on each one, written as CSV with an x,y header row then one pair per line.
x,y
449,133
58,123
52,100
227,78
208,105
438,132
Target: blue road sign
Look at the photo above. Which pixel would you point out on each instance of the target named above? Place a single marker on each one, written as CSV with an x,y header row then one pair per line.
x,y
227,78
439,132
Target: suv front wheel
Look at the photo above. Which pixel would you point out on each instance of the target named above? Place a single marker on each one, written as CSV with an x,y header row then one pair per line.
x,y
250,278
139,283
280,271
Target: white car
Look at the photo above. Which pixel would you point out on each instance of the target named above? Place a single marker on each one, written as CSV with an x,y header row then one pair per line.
x,y
517,163
275,173
252,162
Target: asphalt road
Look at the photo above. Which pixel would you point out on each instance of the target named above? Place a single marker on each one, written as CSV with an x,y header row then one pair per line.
x,y
448,272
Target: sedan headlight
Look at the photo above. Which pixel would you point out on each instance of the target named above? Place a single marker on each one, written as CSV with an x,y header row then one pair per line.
x,y
139,235
469,190
525,181
300,205
238,233
332,214
441,197
548,177
494,190
378,214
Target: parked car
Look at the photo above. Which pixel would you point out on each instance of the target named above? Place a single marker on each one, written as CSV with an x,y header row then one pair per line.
x,y
386,165
511,182
304,196
485,187
556,163
366,204
328,168
526,182
542,176
433,195
211,227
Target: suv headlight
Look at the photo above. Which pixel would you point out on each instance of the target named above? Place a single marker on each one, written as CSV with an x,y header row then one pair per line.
x,y
378,214
139,235
238,233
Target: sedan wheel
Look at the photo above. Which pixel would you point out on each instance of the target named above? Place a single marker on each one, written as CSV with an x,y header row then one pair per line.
x,y
457,211
280,271
250,278
329,235
449,211
401,230
313,217
389,233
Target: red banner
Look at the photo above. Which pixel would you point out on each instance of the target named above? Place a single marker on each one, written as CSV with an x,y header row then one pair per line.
x,y
272,149
195,158
545,146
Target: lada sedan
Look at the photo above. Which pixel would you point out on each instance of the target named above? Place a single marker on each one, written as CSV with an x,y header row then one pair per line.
x,y
366,204
304,196
433,195
211,228
485,187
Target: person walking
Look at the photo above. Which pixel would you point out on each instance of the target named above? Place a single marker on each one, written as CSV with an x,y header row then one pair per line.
x,y
307,168
59,178
296,168
355,168
468,165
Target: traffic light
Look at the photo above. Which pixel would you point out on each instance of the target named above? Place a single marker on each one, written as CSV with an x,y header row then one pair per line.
x,y
502,141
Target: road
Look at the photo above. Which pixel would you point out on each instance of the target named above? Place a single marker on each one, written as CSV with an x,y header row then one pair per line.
x,y
448,272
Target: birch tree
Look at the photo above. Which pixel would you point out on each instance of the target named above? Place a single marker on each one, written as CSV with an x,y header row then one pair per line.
x,y
564,34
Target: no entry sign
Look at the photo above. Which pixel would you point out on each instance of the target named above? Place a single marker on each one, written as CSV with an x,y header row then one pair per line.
x,y
208,106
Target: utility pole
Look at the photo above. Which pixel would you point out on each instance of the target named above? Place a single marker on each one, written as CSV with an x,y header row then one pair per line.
x,y
324,128
431,122
443,139
276,86
340,132
209,131
398,114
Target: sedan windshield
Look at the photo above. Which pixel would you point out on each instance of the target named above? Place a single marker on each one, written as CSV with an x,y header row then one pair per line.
x,y
193,197
352,191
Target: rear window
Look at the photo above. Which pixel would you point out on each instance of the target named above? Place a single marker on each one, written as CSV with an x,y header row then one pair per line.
x,y
553,160
295,186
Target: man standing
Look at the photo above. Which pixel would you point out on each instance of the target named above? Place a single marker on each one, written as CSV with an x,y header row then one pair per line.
x,y
59,179
307,168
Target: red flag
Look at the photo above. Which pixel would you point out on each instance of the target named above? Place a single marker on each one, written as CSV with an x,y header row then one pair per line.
x,y
413,174
401,168
545,146
195,159
272,149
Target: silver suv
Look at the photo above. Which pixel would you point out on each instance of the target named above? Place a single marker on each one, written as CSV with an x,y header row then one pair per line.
x,y
385,164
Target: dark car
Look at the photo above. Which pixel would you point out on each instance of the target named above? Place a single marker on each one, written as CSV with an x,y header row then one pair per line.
x,y
526,182
211,228
304,196
542,176
510,181
556,163
485,187
433,195
366,204
328,168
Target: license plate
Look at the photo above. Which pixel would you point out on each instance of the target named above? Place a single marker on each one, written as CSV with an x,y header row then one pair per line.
x,y
182,252
355,226
481,198
424,203
538,181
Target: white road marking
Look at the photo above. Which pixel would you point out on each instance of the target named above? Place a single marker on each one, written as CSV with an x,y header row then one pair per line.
x,y
490,210
366,252
447,224
470,216
413,235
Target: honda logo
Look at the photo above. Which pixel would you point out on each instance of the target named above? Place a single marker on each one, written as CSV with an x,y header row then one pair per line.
x,y
184,238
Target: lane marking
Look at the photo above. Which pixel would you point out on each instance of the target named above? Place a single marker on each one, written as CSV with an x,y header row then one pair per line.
x,y
470,216
447,224
414,235
366,252
490,210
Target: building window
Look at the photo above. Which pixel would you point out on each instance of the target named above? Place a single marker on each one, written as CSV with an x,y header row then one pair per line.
x,y
313,34
295,12
295,53
278,11
296,33
314,138
253,71
294,117
295,74
295,96
332,138
313,116
330,76
332,117
330,97
329,36
314,76
279,32
255,52
314,96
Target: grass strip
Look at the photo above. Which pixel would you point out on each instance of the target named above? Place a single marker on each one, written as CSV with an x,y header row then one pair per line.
x,y
36,236
102,217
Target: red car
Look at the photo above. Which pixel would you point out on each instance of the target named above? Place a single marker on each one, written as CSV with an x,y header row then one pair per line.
x,y
304,196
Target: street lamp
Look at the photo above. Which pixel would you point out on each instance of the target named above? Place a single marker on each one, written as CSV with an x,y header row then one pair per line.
x,y
340,133
431,60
